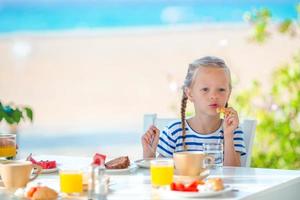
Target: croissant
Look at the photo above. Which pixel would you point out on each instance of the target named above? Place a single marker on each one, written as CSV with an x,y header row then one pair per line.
x,y
44,193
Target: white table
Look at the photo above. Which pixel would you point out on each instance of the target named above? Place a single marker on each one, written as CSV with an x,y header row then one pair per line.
x,y
248,183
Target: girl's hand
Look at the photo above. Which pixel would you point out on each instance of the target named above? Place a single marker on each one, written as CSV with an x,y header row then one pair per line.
x,y
231,121
149,141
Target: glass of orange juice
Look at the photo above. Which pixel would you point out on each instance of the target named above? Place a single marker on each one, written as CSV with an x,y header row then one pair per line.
x,y
71,181
162,171
8,145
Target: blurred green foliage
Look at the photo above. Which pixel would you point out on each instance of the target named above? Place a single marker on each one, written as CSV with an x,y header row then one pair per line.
x,y
277,140
260,19
13,114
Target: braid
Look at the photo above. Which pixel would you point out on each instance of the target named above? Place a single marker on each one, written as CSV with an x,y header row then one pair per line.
x,y
183,107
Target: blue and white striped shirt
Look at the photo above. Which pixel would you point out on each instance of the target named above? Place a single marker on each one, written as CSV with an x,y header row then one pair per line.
x,y
170,139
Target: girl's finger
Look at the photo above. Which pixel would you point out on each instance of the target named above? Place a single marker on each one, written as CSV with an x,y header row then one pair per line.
x,y
156,139
147,138
231,120
144,141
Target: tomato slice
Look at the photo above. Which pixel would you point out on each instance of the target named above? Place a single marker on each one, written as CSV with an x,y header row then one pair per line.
x,y
192,187
180,187
173,186
177,186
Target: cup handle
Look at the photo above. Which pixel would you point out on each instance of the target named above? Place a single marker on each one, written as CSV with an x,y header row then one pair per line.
x,y
39,170
210,158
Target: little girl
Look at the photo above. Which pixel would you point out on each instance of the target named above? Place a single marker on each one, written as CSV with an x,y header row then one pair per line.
x,y
208,86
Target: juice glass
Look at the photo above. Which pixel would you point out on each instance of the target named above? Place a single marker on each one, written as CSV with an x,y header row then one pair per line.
x,y
71,181
7,145
162,171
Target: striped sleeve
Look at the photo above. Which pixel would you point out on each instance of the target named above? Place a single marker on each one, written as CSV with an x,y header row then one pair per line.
x,y
166,145
239,143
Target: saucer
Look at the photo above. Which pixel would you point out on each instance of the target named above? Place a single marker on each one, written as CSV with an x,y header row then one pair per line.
x,y
144,163
189,179
125,170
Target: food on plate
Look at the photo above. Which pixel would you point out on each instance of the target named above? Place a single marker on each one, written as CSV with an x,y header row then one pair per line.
x,y
217,183
223,112
213,184
118,163
99,159
192,187
122,162
41,193
45,164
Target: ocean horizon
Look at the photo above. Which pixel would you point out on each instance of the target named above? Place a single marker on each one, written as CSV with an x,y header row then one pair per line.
x,y
32,15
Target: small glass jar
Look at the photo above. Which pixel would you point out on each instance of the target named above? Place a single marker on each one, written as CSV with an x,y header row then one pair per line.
x,y
97,183
8,146
216,151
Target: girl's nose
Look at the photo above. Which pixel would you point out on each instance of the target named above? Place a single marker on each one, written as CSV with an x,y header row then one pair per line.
x,y
213,95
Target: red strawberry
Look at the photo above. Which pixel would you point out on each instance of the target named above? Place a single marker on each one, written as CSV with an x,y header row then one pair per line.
x,y
99,159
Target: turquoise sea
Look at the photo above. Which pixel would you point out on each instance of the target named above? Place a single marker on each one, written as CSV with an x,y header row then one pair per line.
x,y
55,15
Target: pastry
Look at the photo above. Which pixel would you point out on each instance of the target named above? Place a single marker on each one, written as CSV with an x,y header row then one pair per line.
x,y
42,193
223,112
217,183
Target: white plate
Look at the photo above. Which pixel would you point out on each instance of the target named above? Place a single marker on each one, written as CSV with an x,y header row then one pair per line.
x,y
111,171
143,163
200,193
47,171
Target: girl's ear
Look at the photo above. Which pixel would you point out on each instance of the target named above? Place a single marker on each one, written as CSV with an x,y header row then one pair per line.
x,y
188,93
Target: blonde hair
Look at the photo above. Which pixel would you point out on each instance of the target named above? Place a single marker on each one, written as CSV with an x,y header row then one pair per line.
x,y
208,61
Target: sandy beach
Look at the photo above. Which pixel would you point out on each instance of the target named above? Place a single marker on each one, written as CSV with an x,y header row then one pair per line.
x,y
107,79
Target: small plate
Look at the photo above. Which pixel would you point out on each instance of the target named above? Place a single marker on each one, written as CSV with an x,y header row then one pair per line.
x,y
143,163
47,171
200,193
112,171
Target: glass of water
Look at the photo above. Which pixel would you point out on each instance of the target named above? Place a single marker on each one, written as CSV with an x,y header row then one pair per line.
x,y
215,150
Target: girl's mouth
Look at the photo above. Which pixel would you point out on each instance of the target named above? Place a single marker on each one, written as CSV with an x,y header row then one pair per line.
x,y
214,105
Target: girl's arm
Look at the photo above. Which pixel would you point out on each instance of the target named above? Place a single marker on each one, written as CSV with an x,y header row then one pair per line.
x,y
231,157
231,122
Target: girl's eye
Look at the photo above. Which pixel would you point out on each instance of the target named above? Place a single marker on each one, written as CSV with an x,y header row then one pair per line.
x,y
204,89
222,90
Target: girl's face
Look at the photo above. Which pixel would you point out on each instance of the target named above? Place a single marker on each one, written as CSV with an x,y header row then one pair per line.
x,y
209,90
